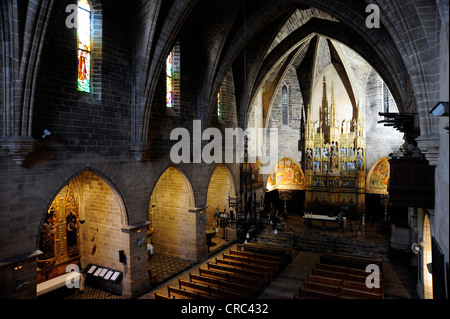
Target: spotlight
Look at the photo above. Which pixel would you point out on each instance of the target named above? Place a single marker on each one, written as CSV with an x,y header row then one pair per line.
x,y
46,133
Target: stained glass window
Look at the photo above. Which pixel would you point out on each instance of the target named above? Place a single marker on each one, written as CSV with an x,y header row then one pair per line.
x,y
84,46
219,106
169,80
284,105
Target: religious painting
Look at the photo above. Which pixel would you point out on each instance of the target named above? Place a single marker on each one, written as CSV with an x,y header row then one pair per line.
x,y
309,160
325,166
317,166
325,152
378,177
351,167
334,157
287,175
343,152
319,182
360,160
348,183
255,176
351,152
317,152
343,167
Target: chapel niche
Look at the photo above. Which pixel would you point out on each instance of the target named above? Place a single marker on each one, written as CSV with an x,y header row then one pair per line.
x,y
59,238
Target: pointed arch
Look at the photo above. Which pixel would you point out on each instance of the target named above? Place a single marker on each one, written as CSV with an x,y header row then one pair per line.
x,y
82,224
287,174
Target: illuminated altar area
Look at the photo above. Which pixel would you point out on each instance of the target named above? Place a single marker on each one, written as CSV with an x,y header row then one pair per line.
x,y
335,155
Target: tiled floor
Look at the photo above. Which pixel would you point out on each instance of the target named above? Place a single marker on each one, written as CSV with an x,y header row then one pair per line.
x,y
165,267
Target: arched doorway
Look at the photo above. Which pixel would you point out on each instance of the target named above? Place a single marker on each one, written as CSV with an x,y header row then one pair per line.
x,y
82,226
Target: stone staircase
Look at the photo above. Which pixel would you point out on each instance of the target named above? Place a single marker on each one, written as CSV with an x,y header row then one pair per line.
x,y
321,242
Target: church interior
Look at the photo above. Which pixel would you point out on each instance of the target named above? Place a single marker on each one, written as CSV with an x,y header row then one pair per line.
x,y
118,180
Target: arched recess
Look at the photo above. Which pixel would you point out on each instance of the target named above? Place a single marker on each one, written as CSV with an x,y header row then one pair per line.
x,y
286,187
287,174
82,225
426,254
221,186
171,216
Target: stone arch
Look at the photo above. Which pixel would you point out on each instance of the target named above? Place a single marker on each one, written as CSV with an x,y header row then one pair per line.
x,y
221,185
100,216
296,182
173,219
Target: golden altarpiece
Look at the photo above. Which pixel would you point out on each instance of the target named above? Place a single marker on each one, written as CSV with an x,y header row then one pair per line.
x,y
60,236
335,157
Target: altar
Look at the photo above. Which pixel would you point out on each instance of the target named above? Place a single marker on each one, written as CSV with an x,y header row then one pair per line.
x,y
308,218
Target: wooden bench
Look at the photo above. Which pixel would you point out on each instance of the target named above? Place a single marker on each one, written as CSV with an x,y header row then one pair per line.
x,y
350,261
159,296
325,280
315,294
252,261
322,287
256,256
347,270
361,294
185,294
285,253
234,270
218,274
261,269
212,292
222,284
328,273
361,286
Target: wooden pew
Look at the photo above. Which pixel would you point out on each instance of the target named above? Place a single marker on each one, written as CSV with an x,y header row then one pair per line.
x,y
322,287
252,261
285,253
342,276
349,261
361,286
256,256
234,270
304,293
212,292
159,296
267,270
218,274
222,284
348,270
328,273
185,294
359,294
325,280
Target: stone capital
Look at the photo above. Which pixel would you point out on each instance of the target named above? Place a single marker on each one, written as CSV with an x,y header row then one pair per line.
x,y
18,147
